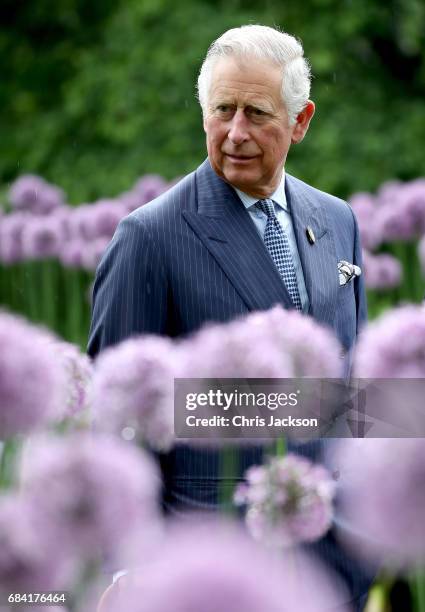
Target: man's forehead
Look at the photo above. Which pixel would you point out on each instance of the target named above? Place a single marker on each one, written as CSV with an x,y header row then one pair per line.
x,y
234,78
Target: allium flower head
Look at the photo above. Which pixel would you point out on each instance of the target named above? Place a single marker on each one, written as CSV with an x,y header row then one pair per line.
x,y
42,237
11,228
393,346
412,204
93,251
78,373
381,271
366,209
98,220
130,200
27,561
134,387
31,379
72,252
274,344
217,568
34,194
92,490
382,503
150,187
313,350
106,216
289,501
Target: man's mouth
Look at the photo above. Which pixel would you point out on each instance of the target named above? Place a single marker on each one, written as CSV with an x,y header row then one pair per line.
x,y
240,159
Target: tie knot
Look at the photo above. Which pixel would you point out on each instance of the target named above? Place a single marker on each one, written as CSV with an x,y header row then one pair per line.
x,y
267,207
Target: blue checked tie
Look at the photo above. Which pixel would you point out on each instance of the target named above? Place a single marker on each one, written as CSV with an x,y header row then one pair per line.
x,y
277,244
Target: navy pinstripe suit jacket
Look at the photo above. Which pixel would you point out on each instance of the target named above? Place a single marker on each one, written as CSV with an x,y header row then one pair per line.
x,y
193,255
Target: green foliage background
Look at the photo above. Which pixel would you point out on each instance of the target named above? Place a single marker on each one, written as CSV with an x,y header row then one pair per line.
x,y
95,93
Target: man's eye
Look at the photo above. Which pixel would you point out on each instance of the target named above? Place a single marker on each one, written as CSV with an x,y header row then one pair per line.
x,y
224,108
257,112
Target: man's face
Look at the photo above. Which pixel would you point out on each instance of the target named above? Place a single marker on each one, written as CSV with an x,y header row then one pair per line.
x,y
247,127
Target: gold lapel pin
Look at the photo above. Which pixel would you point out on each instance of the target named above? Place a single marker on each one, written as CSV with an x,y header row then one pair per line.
x,y
310,235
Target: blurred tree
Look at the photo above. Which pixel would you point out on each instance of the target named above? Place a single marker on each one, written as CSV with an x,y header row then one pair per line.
x,y
95,94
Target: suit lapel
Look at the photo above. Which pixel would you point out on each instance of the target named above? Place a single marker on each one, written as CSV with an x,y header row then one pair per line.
x,y
319,260
227,231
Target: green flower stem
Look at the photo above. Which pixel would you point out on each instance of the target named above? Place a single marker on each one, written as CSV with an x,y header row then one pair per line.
x,y
48,285
417,585
9,454
31,287
280,449
73,306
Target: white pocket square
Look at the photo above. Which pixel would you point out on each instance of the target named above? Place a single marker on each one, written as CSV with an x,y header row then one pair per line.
x,y
347,272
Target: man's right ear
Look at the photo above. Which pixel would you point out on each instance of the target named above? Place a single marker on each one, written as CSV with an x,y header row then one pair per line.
x,y
303,121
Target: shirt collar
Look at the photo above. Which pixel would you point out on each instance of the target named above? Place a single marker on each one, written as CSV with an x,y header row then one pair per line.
x,y
278,196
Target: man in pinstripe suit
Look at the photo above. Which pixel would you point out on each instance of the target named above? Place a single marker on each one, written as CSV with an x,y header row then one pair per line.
x,y
198,253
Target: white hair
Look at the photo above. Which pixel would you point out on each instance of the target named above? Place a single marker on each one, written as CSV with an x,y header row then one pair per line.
x,y
263,43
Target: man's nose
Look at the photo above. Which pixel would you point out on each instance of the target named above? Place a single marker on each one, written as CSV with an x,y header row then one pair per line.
x,y
238,132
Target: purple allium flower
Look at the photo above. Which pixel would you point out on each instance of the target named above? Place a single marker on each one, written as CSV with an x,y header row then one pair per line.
x,y
91,221
397,223
366,210
72,252
93,252
78,372
314,351
215,567
273,344
412,204
389,193
93,490
382,504
381,271
81,222
31,379
42,237
133,387
34,194
150,187
289,501
11,228
106,216
130,200
29,560
393,346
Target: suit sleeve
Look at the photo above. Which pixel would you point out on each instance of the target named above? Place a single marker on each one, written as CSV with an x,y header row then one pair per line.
x,y
130,289
359,287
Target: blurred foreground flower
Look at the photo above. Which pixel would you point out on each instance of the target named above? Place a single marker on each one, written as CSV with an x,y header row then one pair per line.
x,y
31,377
78,373
216,568
289,501
133,390
91,491
382,271
393,346
272,344
382,505
29,559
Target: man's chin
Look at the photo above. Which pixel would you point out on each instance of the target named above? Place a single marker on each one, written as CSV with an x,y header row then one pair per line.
x,y
244,181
